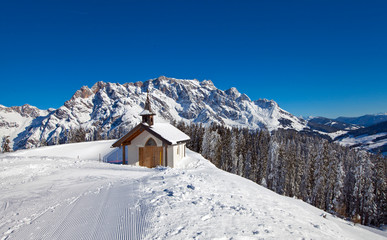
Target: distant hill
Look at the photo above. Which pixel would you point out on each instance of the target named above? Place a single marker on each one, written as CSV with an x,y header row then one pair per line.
x,y
365,121
368,132
372,138
330,125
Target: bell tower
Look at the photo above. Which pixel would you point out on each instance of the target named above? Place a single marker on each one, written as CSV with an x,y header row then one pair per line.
x,y
147,114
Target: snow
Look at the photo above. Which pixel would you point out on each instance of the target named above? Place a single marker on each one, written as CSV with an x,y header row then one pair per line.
x,y
64,192
169,132
84,151
146,112
365,140
332,135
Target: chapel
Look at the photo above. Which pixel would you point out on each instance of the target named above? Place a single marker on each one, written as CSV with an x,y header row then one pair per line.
x,y
152,144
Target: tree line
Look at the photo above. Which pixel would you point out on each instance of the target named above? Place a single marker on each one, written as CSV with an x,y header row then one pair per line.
x,y
345,182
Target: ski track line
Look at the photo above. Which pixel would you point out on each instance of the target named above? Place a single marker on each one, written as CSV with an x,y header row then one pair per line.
x,y
48,222
112,211
6,204
55,218
82,217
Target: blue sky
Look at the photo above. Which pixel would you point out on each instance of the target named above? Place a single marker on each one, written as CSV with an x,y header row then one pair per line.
x,y
320,57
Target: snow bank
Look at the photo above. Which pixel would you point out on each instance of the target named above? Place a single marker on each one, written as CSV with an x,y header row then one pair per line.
x,y
85,151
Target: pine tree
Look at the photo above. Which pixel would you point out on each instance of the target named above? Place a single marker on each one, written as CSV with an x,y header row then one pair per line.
x,y
233,148
338,204
211,144
272,178
77,135
263,153
5,147
226,160
368,194
321,163
380,173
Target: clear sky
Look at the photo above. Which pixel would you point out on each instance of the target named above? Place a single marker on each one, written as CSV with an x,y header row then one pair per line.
x,y
313,57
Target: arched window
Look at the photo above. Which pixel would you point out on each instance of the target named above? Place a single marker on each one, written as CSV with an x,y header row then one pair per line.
x,y
150,142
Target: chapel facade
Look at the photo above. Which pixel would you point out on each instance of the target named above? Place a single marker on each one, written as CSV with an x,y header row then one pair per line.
x,y
151,144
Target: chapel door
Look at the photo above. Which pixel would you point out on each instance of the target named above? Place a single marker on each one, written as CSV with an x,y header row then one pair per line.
x,y
150,155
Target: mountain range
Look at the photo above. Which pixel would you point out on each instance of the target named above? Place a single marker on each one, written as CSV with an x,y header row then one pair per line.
x,y
368,132
111,109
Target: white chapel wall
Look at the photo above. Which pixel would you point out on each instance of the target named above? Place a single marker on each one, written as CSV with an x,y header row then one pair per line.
x,y
175,154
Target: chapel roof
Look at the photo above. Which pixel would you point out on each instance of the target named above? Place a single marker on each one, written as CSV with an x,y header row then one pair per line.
x,y
164,131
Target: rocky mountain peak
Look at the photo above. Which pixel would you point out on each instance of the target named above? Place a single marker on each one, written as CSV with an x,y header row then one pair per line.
x,y
97,86
208,83
111,109
26,110
265,103
84,92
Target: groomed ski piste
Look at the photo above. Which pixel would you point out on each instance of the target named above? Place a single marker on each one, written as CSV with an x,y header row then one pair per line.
x,y
65,192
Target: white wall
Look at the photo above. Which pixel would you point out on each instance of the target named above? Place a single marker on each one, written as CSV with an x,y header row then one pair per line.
x,y
175,154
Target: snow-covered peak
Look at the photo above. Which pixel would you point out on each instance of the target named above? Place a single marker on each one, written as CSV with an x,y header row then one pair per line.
x,y
25,111
233,93
97,86
111,109
16,121
265,103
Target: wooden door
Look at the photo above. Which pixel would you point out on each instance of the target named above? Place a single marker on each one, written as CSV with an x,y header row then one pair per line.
x,y
150,156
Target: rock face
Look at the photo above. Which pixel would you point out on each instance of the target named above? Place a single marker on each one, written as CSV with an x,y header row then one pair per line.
x,y
17,121
111,109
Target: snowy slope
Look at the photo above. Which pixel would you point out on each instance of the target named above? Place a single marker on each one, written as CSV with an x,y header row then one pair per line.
x,y
44,195
111,109
367,142
365,135
372,138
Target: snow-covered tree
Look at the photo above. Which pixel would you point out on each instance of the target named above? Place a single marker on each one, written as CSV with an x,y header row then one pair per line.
x,y
210,142
272,178
338,204
5,147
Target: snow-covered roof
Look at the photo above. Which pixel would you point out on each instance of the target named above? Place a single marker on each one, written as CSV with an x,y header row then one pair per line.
x,y
165,131
169,132
146,112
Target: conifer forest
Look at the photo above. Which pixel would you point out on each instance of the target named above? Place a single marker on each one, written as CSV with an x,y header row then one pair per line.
x,y
345,182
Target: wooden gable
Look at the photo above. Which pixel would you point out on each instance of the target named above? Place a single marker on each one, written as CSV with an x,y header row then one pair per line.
x,y
127,139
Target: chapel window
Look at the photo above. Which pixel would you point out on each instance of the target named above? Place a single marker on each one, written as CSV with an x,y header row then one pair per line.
x,y
150,142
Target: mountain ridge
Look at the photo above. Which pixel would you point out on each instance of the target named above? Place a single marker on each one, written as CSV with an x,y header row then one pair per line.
x,y
108,110
111,109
